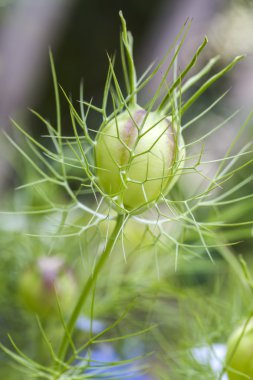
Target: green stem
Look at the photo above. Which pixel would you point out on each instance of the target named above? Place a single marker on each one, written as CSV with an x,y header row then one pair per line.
x,y
88,286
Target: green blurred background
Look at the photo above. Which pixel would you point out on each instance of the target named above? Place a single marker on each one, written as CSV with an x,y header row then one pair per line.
x,y
201,302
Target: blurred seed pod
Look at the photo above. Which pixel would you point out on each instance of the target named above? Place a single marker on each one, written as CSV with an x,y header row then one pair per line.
x,y
240,352
48,286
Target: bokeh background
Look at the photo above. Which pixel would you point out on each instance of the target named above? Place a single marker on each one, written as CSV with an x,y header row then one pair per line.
x,y
80,33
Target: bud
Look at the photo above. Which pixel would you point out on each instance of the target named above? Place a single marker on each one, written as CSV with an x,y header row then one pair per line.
x,y
240,352
137,156
47,283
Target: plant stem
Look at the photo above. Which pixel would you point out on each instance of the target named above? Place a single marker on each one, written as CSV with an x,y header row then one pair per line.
x,y
88,286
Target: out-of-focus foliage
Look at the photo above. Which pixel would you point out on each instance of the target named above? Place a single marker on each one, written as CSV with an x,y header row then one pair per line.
x,y
148,302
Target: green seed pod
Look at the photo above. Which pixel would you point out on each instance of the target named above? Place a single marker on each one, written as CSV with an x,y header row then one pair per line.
x,y
45,284
239,358
137,156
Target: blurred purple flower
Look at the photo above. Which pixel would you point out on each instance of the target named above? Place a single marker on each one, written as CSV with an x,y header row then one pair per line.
x,y
103,361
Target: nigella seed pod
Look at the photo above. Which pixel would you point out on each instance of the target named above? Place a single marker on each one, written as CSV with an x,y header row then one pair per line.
x,y
47,285
239,352
137,156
